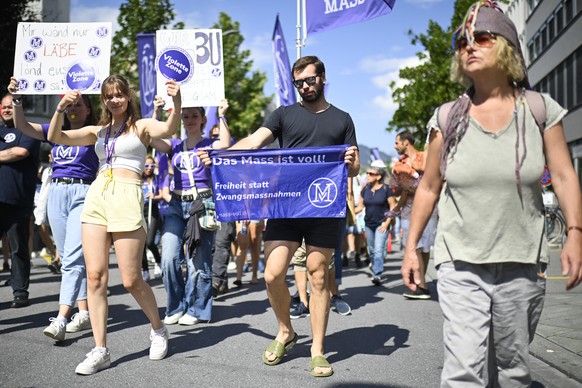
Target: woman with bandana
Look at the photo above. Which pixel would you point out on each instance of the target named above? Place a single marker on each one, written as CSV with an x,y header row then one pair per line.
x,y
485,162
113,210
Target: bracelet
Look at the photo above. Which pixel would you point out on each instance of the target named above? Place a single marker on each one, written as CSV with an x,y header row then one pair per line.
x,y
579,229
61,110
223,118
16,102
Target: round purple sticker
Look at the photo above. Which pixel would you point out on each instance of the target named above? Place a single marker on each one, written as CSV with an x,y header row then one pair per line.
x,y
176,64
81,76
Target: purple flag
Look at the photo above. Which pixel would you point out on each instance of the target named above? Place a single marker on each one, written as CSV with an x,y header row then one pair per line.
x,y
375,154
146,60
323,15
283,84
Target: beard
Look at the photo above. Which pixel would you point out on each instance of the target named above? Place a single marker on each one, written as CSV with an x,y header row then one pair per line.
x,y
315,95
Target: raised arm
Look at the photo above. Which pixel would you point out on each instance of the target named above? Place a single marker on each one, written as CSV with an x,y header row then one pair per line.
x,y
29,129
160,129
158,103
72,137
224,139
567,188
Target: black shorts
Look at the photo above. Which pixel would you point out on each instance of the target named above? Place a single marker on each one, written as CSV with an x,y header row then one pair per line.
x,y
317,232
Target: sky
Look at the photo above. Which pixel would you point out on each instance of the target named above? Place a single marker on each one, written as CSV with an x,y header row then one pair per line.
x,y
360,59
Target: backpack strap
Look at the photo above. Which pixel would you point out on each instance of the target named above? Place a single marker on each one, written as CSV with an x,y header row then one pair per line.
x,y
443,114
537,106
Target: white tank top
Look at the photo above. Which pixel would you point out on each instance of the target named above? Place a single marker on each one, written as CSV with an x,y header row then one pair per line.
x,y
128,152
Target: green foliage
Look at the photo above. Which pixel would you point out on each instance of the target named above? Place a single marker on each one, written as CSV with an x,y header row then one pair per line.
x,y
13,11
428,84
137,17
243,87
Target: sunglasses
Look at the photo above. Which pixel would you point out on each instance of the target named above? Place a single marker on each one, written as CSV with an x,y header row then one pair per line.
x,y
372,173
149,166
309,81
482,39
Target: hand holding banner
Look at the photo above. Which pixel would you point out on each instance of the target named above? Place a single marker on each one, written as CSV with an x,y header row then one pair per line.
x,y
279,183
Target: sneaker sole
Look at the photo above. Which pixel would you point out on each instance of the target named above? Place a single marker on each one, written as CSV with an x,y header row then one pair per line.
x,y
89,371
52,336
76,330
300,316
160,357
416,297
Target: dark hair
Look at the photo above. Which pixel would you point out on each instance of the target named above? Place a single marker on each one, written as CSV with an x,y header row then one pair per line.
x,y
405,135
303,62
118,82
91,118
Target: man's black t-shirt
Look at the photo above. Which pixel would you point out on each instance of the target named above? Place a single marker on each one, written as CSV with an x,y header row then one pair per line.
x,y
296,127
18,179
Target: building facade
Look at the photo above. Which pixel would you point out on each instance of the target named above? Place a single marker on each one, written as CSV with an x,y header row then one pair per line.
x,y
551,36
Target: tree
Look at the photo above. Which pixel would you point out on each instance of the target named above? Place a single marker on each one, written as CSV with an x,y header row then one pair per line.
x,y
428,84
13,11
244,89
137,17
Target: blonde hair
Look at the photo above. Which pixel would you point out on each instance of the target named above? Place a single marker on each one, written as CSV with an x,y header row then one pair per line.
x,y
507,58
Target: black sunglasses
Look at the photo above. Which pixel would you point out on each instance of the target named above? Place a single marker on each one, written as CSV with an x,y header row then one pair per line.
x,y
309,81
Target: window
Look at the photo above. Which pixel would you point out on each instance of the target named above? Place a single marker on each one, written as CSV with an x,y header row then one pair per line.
x,y
544,38
537,41
559,20
569,8
552,29
570,82
578,73
560,92
530,51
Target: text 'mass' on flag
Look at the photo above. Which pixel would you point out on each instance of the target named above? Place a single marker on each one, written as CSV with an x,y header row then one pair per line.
x,y
323,15
283,77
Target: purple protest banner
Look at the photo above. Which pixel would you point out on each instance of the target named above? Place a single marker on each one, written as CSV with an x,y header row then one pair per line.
x,y
329,14
146,58
279,183
211,119
283,81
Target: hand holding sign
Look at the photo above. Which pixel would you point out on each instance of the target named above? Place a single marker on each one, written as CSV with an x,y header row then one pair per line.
x,y
70,98
223,107
13,87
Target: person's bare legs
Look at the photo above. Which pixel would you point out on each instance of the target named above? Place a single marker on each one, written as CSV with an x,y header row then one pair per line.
x,y
301,284
129,249
96,244
422,266
318,260
45,236
278,254
242,241
255,232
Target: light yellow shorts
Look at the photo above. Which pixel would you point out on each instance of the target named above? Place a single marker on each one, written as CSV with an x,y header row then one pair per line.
x,y
299,259
115,203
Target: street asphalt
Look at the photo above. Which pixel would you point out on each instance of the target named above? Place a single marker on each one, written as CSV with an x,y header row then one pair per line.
x,y
387,341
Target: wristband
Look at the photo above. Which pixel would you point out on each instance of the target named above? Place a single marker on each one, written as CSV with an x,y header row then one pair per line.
x,y
61,110
579,229
223,118
16,102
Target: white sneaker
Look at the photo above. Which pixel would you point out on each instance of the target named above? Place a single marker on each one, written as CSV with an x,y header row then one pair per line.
x,y
231,265
56,330
145,275
159,347
157,271
79,322
173,319
189,320
96,360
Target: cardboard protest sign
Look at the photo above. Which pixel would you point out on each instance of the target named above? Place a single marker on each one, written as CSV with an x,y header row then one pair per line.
x,y
53,58
193,58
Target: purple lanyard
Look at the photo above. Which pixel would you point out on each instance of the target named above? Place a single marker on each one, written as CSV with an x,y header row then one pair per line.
x,y
109,150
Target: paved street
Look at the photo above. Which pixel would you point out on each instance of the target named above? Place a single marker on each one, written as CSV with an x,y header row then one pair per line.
x,y
386,342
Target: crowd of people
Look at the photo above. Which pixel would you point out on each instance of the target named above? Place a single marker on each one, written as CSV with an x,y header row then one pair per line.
x,y
105,188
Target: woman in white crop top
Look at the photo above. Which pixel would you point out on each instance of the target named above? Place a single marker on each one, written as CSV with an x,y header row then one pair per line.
x,y
114,205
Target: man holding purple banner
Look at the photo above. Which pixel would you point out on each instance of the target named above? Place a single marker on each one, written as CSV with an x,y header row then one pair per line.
x,y
311,122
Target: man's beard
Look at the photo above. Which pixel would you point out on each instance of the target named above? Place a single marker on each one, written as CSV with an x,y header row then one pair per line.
x,y
317,93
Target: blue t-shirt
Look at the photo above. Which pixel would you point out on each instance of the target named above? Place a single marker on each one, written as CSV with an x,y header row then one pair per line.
x,y
376,204
18,179
79,162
